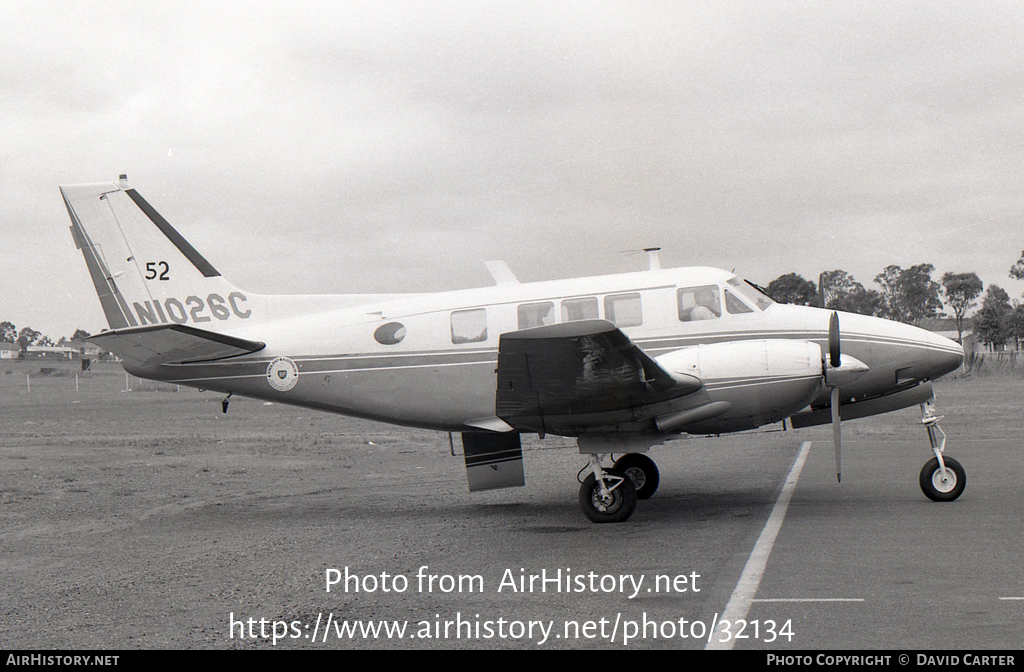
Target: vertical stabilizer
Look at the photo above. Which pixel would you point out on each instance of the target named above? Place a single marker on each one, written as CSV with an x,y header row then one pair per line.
x,y
144,271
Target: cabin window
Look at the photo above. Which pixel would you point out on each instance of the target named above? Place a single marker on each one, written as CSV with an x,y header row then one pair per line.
x,y
698,303
734,306
623,309
469,326
390,333
536,314
579,309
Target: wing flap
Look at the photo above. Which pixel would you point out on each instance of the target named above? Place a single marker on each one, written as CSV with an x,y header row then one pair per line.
x,y
173,344
574,375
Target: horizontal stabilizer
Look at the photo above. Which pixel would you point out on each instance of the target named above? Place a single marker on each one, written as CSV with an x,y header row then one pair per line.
x,y
173,344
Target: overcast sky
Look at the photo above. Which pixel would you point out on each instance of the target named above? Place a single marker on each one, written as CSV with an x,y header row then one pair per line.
x,y
336,147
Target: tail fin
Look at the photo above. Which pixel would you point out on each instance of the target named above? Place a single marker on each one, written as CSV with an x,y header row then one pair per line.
x,y
144,271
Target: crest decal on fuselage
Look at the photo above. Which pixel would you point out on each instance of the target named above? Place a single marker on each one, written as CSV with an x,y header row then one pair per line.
x,y
282,374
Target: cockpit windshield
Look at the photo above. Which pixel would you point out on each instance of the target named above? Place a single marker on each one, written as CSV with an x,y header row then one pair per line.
x,y
750,292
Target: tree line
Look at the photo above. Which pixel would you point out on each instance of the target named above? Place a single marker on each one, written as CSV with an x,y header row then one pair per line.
x,y
910,295
27,336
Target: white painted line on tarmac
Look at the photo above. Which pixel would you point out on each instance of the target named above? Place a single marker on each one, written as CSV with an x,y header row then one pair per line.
x,y
808,599
1011,598
750,579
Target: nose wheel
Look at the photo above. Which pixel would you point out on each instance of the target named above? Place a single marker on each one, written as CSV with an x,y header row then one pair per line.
x,y
943,483
942,479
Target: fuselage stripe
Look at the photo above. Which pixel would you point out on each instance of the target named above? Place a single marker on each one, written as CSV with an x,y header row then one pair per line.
x,y
654,345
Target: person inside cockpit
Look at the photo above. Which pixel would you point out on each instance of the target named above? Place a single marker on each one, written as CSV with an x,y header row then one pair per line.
x,y
707,307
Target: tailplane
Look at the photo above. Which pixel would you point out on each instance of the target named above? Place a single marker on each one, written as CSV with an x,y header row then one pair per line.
x,y
144,271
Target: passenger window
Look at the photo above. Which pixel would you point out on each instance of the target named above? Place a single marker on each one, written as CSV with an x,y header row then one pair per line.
x,y
469,326
536,314
734,305
579,309
623,310
698,303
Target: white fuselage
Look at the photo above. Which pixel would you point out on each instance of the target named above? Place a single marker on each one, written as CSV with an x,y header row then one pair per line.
x,y
428,360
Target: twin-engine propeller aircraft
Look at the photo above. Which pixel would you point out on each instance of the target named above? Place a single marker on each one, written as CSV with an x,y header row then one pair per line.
x,y
621,362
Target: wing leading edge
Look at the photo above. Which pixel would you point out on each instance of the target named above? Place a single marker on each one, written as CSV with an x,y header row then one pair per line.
x,y
578,376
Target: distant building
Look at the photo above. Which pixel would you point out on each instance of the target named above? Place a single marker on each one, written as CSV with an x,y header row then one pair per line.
x,y
70,350
86,349
946,326
49,352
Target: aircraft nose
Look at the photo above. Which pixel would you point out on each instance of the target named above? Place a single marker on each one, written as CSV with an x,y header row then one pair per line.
x,y
944,355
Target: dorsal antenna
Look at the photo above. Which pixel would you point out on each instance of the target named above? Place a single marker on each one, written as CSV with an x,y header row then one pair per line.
x,y
653,259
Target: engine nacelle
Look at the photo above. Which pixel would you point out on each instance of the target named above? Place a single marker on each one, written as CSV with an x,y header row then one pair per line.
x,y
763,381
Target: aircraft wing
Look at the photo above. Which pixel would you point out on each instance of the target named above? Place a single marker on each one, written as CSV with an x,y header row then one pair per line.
x,y
173,344
570,377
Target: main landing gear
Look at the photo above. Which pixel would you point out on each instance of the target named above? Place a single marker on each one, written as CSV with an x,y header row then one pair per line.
x,y
942,478
642,471
610,495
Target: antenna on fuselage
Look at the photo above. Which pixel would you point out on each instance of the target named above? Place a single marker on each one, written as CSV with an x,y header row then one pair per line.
x,y
653,258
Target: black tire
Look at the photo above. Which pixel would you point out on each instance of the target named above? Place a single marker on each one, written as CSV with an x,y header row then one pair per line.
x,y
621,502
931,480
643,472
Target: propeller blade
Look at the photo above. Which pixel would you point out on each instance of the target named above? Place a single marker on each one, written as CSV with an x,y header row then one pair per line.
x,y
837,437
834,353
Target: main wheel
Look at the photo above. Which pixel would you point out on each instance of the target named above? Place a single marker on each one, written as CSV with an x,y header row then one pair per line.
x,y
642,471
938,489
616,507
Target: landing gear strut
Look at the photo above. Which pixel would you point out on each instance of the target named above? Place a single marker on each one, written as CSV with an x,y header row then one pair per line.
x,y
942,478
606,495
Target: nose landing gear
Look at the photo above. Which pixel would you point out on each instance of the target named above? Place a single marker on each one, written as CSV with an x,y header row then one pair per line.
x,y
942,479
